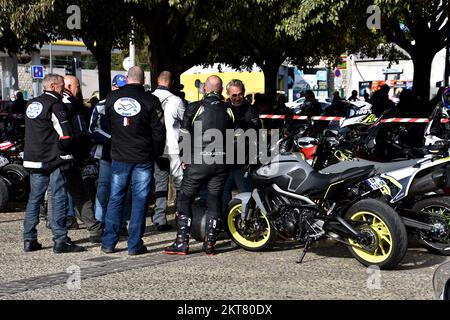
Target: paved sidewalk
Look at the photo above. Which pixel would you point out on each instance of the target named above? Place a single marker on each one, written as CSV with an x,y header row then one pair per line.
x,y
328,272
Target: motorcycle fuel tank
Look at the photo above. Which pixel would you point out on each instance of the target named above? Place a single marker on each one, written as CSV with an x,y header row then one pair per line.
x,y
287,170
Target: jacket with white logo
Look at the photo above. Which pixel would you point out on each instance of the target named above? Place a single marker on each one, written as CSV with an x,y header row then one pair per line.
x,y
173,108
47,133
138,133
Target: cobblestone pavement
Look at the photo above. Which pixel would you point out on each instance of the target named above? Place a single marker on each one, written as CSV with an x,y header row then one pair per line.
x,y
328,272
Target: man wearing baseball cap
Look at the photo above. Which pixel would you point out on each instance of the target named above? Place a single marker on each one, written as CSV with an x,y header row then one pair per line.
x,y
118,81
100,130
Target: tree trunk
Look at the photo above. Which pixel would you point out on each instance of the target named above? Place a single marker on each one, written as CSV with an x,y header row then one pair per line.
x,y
160,62
270,80
103,57
422,73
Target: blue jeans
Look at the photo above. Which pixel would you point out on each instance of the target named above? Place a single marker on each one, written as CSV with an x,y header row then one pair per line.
x,y
39,183
236,177
70,207
103,191
122,173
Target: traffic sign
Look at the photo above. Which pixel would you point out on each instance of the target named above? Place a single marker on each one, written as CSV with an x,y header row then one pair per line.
x,y
37,72
337,73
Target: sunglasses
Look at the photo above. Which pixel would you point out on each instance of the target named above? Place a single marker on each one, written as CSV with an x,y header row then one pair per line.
x,y
237,95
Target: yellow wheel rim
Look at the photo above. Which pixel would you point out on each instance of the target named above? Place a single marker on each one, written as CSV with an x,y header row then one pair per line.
x,y
251,240
384,238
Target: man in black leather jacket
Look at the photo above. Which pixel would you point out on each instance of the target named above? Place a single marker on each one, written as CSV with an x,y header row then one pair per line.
x,y
210,115
246,119
47,139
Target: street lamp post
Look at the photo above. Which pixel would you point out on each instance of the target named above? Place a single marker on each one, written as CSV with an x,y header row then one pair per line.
x,y
447,62
132,45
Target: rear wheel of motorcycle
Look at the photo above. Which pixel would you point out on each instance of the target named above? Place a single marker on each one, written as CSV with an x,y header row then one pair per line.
x,y
259,236
19,179
4,195
437,206
385,227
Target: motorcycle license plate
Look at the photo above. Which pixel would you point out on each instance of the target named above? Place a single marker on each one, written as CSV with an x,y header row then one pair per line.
x,y
376,183
3,161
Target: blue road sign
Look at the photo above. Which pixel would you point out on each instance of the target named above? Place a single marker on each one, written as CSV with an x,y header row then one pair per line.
x,y
337,73
37,72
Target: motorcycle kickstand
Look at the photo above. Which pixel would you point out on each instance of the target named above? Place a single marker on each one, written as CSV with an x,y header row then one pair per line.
x,y
305,249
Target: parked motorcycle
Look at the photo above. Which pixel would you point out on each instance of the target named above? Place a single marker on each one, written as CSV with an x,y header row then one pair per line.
x,y
416,193
12,172
293,200
441,282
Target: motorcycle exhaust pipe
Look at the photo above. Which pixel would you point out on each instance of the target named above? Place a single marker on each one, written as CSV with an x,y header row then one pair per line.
x,y
430,182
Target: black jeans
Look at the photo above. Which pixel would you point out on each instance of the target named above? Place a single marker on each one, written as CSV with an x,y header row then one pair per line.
x,y
196,176
83,193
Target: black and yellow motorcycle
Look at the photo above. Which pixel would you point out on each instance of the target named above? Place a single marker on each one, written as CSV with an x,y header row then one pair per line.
x,y
292,200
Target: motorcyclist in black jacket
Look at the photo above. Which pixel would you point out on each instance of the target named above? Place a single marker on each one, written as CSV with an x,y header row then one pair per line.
x,y
246,119
138,137
210,115
78,184
47,138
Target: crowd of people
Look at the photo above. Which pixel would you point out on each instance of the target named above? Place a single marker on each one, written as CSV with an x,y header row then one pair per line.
x,y
132,137
99,164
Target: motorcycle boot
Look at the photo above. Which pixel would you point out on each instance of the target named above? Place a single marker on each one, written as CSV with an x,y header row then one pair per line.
x,y
181,244
212,232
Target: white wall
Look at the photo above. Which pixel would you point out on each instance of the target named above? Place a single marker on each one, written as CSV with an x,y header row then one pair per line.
x,y
89,79
372,70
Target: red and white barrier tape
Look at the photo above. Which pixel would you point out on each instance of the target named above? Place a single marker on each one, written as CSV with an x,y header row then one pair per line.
x,y
320,118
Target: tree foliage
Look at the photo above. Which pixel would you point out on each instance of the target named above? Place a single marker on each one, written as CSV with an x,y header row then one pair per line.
x,y
24,24
420,27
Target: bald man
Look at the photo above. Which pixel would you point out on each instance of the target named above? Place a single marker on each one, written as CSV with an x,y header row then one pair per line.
x,y
138,137
206,168
79,186
170,163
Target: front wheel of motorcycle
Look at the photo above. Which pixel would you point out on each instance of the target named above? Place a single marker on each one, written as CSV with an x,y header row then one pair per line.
x,y
19,179
384,228
256,234
4,195
439,207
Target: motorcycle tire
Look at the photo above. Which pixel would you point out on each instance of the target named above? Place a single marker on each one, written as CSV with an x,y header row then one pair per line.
x,y
4,195
436,205
19,180
199,223
256,238
390,240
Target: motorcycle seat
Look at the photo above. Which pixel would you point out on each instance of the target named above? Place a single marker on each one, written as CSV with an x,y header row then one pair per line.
x,y
325,185
380,167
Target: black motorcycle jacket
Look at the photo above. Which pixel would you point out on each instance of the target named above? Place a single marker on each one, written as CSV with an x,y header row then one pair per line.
x,y
138,133
47,133
201,116
246,116
78,116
